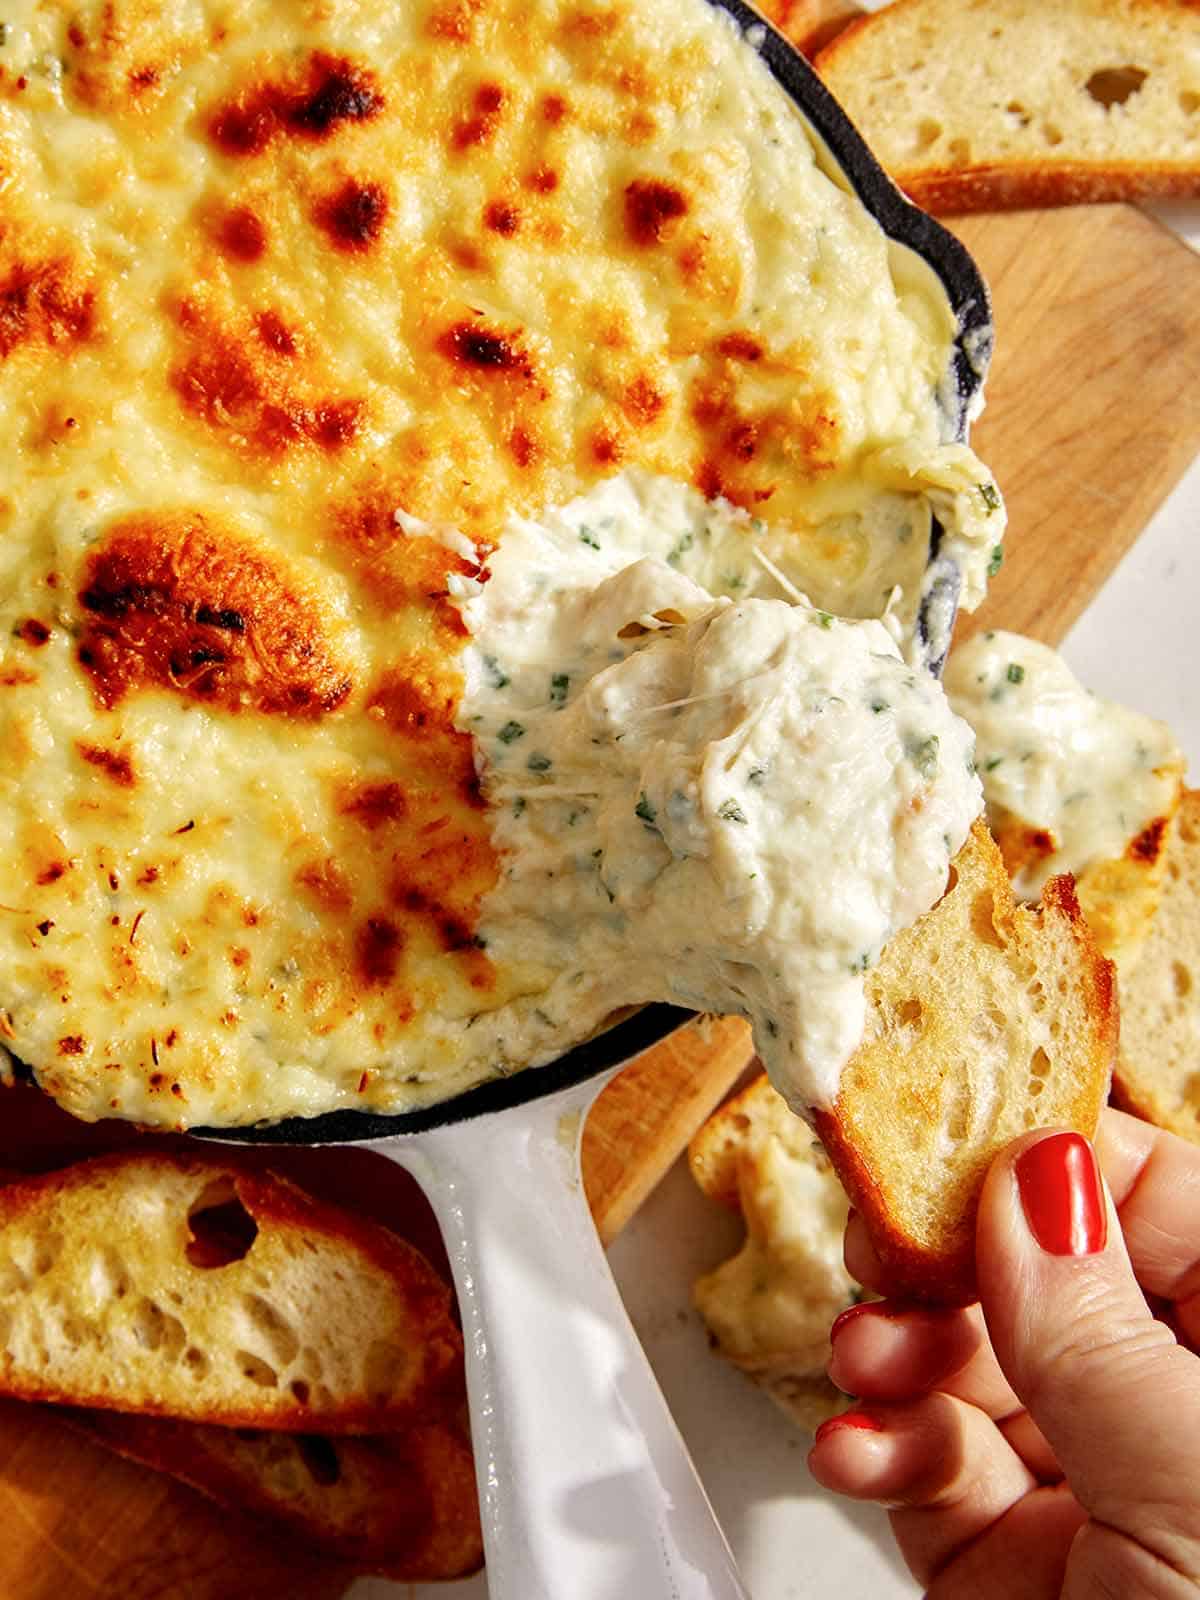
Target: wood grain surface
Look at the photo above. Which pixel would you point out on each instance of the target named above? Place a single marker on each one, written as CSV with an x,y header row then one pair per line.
x,y
1093,413
1093,404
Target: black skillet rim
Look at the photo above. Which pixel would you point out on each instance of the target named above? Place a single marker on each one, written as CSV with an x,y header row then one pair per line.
x,y
968,296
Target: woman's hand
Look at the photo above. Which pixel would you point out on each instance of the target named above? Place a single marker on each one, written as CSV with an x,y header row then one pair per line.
x,y
1046,1442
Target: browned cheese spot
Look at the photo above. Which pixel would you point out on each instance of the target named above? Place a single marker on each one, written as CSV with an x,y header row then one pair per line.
x,y
274,333
643,401
544,180
454,23
485,117
486,352
1149,843
353,216
374,804
745,454
502,218
554,109
524,448
237,386
114,764
640,127
438,860
417,700
72,1045
33,633
399,570
651,206
594,22
44,304
325,883
177,600
143,79
607,447
378,948
739,346
330,93
242,235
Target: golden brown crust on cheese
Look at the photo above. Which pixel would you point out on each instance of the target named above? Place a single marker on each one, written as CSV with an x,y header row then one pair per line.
x,y
327,94
987,1019
178,602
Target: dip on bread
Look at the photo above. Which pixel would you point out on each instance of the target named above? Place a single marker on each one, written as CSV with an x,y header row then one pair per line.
x,y
1073,783
729,804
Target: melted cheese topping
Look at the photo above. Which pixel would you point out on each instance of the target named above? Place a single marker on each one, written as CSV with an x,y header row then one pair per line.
x,y
1082,777
730,805
270,269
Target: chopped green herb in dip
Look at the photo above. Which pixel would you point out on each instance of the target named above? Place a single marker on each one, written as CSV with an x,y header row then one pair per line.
x,y
1039,732
660,861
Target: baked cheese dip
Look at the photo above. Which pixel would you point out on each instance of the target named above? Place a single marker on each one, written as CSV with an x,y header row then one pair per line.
x,y
1073,783
289,290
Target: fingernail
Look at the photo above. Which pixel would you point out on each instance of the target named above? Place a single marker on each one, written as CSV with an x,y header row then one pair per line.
x,y
861,1421
1062,1196
845,1318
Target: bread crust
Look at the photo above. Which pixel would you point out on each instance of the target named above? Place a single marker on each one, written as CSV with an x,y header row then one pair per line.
x,y
1019,186
1156,1072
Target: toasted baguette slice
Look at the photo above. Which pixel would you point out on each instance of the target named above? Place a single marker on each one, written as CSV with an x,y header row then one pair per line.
x,y
977,105
402,1505
769,1307
1158,1067
189,1287
735,1135
984,1019
810,24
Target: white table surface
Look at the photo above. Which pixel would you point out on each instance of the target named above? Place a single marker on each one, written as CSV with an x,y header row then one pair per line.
x,y
1139,642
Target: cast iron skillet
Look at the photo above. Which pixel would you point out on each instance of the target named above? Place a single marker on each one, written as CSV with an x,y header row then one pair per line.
x,y
586,1488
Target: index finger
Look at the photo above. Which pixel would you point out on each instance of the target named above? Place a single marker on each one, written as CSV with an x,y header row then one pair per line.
x,y
1154,1177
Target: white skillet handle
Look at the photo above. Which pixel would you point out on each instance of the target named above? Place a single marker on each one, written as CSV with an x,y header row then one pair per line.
x,y
586,1487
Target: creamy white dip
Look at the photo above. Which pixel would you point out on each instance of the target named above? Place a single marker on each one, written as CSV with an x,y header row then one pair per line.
x,y
1090,773
730,804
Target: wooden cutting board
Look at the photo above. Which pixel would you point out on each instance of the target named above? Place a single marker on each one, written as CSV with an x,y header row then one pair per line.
x,y
1093,414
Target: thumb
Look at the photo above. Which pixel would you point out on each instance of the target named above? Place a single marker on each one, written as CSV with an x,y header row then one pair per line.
x,y
1116,1397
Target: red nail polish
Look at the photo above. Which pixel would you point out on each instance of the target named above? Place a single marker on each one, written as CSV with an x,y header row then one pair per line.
x,y
859,1420
1062,1196
844,1318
